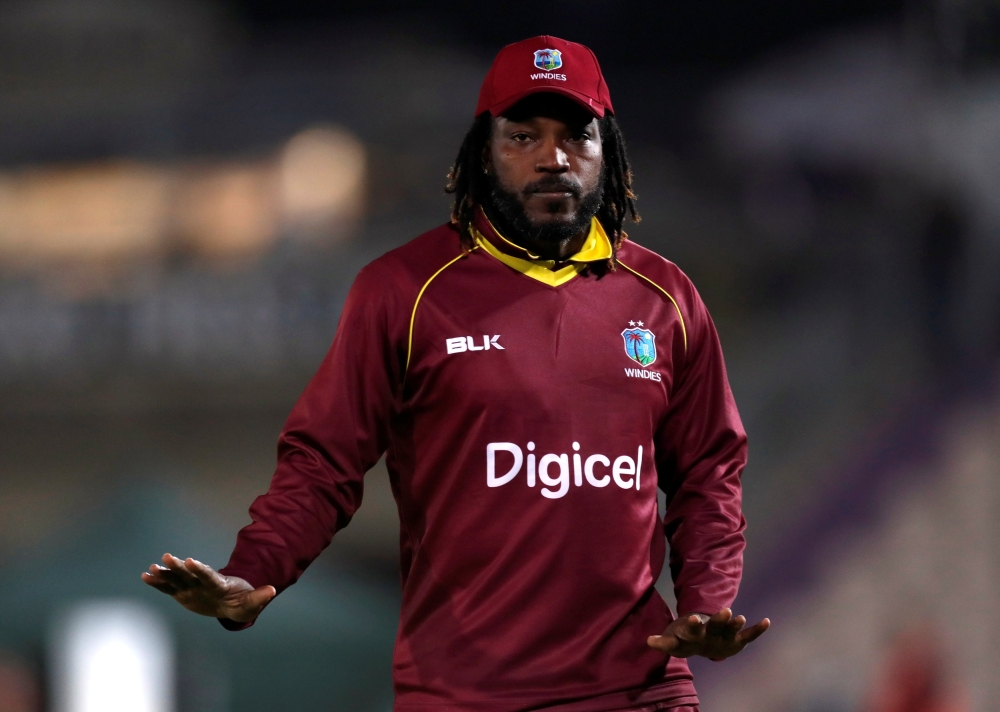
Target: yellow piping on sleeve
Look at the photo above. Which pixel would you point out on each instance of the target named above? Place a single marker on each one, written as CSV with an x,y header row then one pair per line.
x,y
668,295
413,314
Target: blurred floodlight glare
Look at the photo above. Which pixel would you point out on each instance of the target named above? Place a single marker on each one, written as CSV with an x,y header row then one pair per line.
x,y
322,173
227,209
100,210
119,210
112,656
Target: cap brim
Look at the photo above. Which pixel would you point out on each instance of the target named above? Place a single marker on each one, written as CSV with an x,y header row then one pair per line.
x,y
586,102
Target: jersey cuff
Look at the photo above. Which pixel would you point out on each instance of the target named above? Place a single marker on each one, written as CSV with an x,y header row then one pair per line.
x,y
235,625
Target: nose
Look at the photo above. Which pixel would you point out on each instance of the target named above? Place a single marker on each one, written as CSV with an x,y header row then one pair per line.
x,y
552,158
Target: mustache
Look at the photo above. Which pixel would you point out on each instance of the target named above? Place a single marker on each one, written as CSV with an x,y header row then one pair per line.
x,y
554,184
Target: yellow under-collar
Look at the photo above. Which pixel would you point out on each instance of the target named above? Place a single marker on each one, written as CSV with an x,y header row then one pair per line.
x,y
596,247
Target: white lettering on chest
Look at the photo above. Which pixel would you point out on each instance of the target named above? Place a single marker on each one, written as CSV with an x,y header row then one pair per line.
x,y
643,373
466,343
554,469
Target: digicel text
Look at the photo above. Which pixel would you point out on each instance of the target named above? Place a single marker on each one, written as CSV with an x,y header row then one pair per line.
x,y
625,471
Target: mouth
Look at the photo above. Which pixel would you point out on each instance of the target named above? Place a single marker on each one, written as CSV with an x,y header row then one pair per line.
x,y
552,193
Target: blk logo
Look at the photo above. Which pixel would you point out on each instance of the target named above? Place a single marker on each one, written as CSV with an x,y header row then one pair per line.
x,y
467,343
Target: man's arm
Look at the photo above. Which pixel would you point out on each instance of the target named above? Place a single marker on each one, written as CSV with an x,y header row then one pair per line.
x,y
701,450
336,432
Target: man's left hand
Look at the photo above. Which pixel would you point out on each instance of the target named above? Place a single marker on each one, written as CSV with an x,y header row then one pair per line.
x,y
716,638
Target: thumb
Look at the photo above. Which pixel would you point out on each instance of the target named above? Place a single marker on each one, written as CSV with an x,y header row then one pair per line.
x,y
258,598
252,604
665,643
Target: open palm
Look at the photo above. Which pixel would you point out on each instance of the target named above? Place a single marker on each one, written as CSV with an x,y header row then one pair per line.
x,y
716,638
201,589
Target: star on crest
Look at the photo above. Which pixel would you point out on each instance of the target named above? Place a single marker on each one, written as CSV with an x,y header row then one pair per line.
x,y
632,323
640,323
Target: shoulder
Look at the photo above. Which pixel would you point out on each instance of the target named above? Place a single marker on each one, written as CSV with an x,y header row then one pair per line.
x,y
402,272
661,274
385,292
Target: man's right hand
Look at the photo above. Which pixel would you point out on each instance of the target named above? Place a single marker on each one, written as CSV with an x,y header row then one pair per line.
x,y
203,590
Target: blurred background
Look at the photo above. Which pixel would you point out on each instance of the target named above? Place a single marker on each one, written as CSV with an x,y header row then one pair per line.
x,y
187,189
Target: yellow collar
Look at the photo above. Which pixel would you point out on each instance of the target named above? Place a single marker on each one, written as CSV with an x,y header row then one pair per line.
x,y
596,247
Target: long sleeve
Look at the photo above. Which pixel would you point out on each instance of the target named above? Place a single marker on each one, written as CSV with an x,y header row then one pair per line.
x,y
701,452
336,432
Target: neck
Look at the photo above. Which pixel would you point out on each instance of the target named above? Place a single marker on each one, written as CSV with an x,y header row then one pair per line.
x,y
555,250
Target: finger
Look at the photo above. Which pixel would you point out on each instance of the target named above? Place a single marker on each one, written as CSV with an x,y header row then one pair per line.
x,y
158,585
160,573
178,567
721,618
689,630
169,576
693,624
728,631
718,623
205,574
733,627
748,635
172,562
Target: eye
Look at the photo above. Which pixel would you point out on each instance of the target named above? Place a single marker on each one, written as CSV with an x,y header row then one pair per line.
x,y
520,137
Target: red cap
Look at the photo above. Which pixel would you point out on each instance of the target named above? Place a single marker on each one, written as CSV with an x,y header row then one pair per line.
x,y
544,64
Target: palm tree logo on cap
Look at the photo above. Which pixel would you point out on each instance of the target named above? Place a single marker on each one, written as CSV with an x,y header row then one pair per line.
x,y
548,59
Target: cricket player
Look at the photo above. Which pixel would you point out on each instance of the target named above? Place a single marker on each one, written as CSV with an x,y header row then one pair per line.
x,y
532,378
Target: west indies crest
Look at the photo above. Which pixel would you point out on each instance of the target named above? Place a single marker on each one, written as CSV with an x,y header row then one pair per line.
x,y
548,59
640,344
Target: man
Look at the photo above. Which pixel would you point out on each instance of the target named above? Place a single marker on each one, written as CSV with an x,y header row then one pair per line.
x,y
533,378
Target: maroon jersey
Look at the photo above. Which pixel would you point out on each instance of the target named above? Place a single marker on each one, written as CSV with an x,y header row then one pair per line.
x,y
528,412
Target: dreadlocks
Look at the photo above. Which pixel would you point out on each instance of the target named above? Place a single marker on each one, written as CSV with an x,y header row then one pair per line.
x,y
468,182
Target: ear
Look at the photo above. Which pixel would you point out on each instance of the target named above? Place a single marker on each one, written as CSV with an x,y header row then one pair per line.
x,y
487,157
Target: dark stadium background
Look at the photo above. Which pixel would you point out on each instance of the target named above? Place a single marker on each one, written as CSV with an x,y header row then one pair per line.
x,y
187,189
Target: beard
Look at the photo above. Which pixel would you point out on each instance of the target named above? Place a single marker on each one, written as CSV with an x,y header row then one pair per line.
x,y
506,209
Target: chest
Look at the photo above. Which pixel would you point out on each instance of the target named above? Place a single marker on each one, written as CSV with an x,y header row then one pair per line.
x,y
489,339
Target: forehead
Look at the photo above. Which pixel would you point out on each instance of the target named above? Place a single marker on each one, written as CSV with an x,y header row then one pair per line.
x,y
549,106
